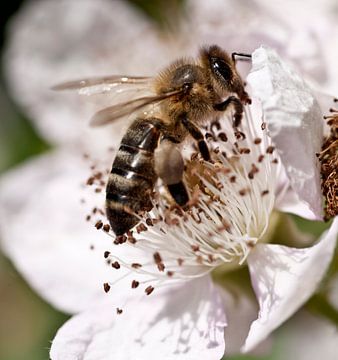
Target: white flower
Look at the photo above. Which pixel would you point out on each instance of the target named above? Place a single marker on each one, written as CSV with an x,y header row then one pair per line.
x,y
187,320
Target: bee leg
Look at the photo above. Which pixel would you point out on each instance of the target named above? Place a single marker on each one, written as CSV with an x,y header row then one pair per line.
x,y
238,106
169,166
195,132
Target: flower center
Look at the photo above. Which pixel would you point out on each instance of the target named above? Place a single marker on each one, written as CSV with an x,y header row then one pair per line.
x,y
229,210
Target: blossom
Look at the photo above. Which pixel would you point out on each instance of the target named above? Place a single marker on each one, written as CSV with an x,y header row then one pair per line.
x,y
98,325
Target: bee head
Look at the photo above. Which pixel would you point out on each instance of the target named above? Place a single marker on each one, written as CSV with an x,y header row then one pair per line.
x,y
223,72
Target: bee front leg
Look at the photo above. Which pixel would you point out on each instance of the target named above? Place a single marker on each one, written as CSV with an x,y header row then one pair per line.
x,y
238,106
196,133
169,166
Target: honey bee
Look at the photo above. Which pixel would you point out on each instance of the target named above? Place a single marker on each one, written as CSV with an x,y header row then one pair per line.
x,y
185,95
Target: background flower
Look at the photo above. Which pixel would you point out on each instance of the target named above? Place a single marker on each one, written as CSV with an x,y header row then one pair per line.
x,y
53,41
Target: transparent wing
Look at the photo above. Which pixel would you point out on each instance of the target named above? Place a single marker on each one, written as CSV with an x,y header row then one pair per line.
x,y
106,84
117,111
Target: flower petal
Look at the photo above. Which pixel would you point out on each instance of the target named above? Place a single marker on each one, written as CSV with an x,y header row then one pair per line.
x,y
54,41
44,232
294,120
283,279
308,336
186,322
241,310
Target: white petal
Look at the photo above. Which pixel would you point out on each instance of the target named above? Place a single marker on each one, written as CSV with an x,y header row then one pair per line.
x,y
54,41
241,310
283,279
44,232
184,323
307,337
294,121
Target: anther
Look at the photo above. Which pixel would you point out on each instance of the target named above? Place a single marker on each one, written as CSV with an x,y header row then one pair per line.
x,y
134,284
99,225
149,290
106,287
116,265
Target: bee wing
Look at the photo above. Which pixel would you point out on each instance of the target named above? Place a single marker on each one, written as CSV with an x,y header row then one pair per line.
x,y
105,84
117,111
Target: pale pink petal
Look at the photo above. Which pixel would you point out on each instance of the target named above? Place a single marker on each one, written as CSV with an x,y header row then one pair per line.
x,y
231,24
186,322
44,232
283,279
294,121
54,41
306,337
291,203
241,310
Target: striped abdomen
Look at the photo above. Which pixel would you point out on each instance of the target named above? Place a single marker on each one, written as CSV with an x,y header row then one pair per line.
x,y
132,177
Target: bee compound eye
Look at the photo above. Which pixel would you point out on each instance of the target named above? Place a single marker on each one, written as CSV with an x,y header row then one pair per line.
x,y
221,68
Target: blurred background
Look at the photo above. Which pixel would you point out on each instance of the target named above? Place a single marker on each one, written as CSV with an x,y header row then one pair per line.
x,y
28,324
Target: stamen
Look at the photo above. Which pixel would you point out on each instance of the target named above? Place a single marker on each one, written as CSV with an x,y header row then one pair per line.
x,y
228,213
328,158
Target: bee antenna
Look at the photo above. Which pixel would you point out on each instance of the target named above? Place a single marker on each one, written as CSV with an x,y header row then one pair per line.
x,y
240,55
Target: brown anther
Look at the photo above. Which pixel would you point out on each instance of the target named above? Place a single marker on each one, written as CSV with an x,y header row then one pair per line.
x,y
180,261
223,137
131,239
120,239
141,228
233,179
136,265
328,158
85,156
216,150
157,257
106,287
106,254
94,211
265,192
88,217
99,225
263,126
91,247
149,222
274,161
160,267
170,273
260,158
195,248
119,311
209,136
244,151
243,192
90,181
98,190
270,149
106,227
240,135
211,258
116,265
257,141
149,290
134,284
